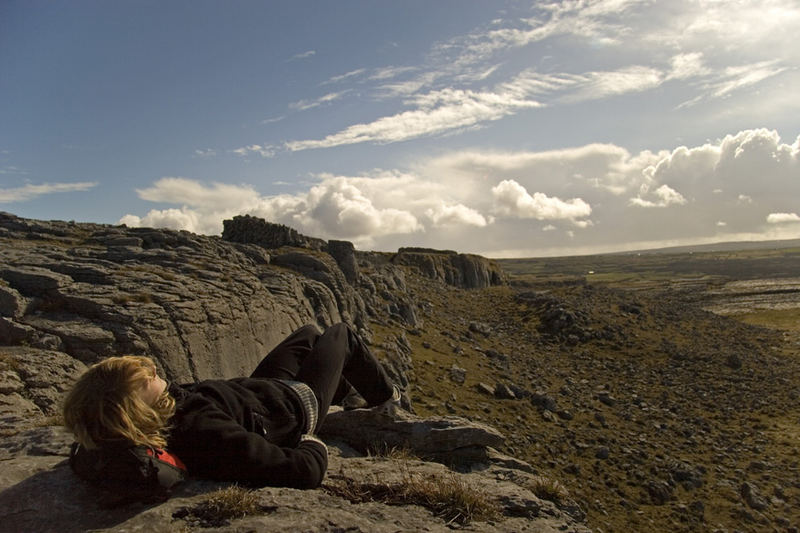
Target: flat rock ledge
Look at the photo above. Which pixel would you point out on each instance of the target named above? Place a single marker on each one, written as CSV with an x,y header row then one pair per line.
x,y
38,492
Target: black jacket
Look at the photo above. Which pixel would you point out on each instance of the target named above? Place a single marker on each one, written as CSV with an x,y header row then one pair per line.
x,y
247,430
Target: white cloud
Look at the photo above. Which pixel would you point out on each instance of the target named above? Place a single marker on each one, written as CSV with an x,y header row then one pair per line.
x,y
479,201
192,193
688,65
512,199
340,208
263,151
663,196
178,219
783,218
208,152
30,191
458,214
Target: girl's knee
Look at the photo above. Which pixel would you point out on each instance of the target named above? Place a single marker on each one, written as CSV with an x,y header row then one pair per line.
x,y
308,329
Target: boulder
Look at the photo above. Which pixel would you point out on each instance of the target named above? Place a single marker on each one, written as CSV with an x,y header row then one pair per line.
x,y
363,429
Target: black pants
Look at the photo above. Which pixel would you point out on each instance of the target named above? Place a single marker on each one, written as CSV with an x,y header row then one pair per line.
x,y
330,363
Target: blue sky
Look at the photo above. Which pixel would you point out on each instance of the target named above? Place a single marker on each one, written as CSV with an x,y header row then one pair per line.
x,y
501,128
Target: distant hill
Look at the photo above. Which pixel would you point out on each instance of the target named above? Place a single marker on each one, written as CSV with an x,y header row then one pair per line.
x,y
718,247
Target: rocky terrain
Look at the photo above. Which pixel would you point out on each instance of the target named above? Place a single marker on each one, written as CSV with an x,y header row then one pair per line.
x,y
72,294
565,404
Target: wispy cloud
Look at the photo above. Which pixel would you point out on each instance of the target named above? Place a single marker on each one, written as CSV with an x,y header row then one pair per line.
x,y
304,105
723,83
386,73
178,190
689,45
13,170
302,55
345,76
257,149
208,152
436,112
446,110
30,191
273,119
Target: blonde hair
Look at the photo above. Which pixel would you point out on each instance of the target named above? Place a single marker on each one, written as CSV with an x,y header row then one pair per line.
x,y
105,404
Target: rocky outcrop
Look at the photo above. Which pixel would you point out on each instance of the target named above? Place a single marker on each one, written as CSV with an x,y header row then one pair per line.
x,y
452,440
202,307
254,230
461,270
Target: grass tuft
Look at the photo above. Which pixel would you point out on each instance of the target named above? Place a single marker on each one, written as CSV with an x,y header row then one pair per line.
x,y
395,453
141,297
449,497
548,489
222,506
8,362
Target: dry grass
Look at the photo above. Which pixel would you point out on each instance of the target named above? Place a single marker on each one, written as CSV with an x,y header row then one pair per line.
x,y
140,297
548,489
447,496
8,362
222,506
783,319
395,453
48,421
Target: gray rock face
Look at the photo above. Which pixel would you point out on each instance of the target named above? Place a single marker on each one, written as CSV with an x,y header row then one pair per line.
x,y
201,307
461,270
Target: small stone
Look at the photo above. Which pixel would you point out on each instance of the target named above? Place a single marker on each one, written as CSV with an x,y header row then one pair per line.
x,y
458,374
543,401
503,392
484,388
659,491
607,399
563,414
480,327
602,453
752,497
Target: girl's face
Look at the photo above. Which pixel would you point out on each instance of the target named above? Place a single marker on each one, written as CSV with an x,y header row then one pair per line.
x,y
152,389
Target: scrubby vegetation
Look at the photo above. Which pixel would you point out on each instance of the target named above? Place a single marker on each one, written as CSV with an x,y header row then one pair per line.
x,y
651,413
447,496
222,506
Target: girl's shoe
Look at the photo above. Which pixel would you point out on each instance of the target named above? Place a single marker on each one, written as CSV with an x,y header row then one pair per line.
x,y
390,406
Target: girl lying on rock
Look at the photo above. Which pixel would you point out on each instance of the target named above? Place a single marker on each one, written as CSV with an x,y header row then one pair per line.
x,y
136,433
